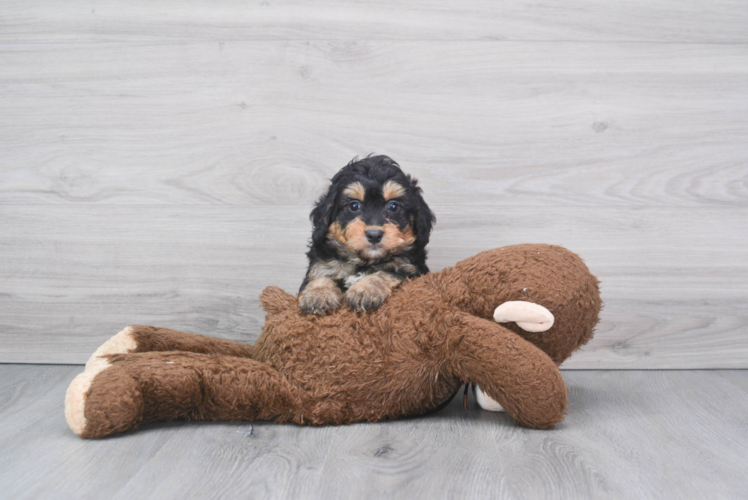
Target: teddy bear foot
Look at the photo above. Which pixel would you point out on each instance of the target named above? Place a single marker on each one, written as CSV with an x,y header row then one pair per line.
x,y
529,316
103,400
92,411
76,395
123,342
487,402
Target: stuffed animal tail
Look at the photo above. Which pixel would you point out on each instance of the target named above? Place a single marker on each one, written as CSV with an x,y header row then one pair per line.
x,y
275,300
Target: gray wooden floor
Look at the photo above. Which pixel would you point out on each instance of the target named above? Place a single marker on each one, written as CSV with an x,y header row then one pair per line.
x,y
628,434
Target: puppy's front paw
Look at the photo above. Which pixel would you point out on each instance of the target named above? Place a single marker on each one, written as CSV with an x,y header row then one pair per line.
x,y
367,293
319,296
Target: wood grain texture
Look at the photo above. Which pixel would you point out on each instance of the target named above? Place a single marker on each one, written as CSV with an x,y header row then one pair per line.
x,y
73,277
264,123
631,434
591,20
157,162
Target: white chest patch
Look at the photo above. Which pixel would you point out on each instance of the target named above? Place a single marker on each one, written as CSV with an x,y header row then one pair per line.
x,y
350,280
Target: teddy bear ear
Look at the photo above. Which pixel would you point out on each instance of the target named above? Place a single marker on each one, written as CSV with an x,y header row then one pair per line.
x,y
275,300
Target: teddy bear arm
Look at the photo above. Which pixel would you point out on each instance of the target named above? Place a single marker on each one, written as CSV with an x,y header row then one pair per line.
x,y
274,300
120,391
142,338
509,369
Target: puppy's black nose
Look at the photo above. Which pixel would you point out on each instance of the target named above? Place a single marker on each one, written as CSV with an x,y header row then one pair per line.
x,y
374,235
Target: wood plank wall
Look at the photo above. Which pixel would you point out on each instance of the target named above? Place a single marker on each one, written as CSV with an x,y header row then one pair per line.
x,y
158,160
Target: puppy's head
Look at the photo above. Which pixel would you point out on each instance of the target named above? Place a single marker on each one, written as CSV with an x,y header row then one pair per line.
x,y
372,212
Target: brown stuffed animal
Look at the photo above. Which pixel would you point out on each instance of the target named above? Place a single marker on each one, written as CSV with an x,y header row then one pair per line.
x,y
433,334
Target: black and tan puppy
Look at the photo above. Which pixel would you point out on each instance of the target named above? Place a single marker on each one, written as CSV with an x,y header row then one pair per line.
x,y
370,233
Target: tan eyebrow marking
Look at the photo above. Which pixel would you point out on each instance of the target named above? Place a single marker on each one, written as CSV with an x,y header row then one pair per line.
x,y
356,191
392,189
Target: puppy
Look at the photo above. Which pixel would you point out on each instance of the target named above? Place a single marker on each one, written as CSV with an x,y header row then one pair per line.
x,y
370,233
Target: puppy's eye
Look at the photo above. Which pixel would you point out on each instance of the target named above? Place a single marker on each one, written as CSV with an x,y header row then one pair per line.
x,y
393,206
354,206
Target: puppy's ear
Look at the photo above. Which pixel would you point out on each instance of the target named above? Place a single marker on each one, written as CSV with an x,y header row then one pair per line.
x,y
322,216
425,218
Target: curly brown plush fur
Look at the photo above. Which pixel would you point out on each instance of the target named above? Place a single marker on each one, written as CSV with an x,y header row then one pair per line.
x,y
433,334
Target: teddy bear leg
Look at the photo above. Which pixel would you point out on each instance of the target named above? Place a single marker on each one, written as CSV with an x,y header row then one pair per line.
x,y
523,379
530,317
141,338
120,391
